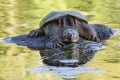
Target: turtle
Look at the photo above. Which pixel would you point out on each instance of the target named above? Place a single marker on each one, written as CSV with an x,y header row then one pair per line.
x,y
64,26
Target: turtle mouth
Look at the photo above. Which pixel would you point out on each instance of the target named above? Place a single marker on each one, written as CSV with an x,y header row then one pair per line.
x,y
70,35
71,39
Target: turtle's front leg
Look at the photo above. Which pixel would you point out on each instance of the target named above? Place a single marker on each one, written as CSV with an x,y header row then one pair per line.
x,y
54,37
35,33
87,32
55,42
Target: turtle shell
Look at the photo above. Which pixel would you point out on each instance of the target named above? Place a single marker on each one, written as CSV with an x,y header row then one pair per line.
x,y
56,14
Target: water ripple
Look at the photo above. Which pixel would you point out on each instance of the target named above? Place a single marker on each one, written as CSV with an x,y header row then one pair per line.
x,y
65,72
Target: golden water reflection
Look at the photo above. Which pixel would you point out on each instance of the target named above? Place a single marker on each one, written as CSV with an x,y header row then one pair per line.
x,y
20,16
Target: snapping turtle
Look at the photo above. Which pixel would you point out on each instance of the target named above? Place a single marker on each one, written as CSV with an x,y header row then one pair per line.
x,y
65,24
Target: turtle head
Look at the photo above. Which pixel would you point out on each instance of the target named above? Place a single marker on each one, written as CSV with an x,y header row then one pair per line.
x,y
70,34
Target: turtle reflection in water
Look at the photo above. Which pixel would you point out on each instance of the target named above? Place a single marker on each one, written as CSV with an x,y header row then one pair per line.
x,y
71,55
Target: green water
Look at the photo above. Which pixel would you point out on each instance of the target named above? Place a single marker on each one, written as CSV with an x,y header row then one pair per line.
x,y
20,16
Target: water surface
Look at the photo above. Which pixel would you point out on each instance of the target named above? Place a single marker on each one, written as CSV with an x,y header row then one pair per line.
x,y
20,16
